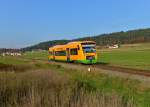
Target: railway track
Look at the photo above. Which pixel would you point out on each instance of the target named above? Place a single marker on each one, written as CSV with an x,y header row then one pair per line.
x,y
106,66
123,69
103,66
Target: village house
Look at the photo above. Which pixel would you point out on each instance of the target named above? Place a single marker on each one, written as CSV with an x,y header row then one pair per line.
x,y
11,54
113,46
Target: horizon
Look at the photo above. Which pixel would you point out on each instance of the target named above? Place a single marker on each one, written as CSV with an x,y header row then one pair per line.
x,y
76,38
26,23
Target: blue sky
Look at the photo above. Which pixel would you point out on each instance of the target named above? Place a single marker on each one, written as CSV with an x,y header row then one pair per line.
x,y
27,22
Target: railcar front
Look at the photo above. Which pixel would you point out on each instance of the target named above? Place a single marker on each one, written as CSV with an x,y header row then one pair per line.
x,y
88,49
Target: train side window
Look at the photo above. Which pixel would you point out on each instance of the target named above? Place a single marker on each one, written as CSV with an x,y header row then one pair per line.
x,y
60,53
50,53
74,51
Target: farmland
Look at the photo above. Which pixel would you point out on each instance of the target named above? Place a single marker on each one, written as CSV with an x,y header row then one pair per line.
x,y
31,81
130,56
39,83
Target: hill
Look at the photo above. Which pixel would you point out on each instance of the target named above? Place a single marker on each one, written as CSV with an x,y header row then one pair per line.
x,y
132,36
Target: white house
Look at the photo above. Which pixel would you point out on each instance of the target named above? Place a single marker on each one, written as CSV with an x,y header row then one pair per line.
x,y
11,54
113,46
3,54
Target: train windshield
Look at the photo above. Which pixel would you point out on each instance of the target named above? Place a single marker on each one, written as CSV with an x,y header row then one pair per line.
x,y
89,48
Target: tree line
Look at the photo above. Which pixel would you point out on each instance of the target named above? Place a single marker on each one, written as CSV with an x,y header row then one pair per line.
x,y
128,37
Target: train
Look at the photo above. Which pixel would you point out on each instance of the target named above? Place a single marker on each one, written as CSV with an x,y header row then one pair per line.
x,y
76,51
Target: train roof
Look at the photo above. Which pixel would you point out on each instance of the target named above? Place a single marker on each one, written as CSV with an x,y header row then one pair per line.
x,y
81,42
57,46
73,42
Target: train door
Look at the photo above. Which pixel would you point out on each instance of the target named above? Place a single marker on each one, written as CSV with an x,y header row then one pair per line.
x,y
68,54
53,55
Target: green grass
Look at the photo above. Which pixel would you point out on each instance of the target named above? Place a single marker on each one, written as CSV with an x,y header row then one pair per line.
x,y
131,56
45,84
13,60
129,90
25,58
36,83
37,55
128,56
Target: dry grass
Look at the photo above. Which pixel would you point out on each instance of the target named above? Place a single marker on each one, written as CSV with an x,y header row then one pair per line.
x,y
49,89
14,68
38,83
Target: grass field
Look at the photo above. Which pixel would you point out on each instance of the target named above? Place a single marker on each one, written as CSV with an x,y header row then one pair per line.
x,y
32,81
42,84
131,56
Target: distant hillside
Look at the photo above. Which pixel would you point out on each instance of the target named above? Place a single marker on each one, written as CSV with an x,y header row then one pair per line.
x,y
133,36
45,45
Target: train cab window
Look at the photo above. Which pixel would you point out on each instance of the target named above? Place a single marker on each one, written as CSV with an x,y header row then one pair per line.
x,y
89,48
74,51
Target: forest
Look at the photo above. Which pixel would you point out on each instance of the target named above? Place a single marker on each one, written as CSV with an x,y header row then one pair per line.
x,y
122,37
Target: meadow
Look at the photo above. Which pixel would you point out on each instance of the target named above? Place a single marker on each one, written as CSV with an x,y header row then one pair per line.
x,y
32,81
45,84
130,56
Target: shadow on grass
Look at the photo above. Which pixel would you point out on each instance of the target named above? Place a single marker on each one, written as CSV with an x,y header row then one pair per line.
x,y
102,63
74,62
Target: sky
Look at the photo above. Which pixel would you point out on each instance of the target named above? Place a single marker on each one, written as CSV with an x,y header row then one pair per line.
x,y
28,22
